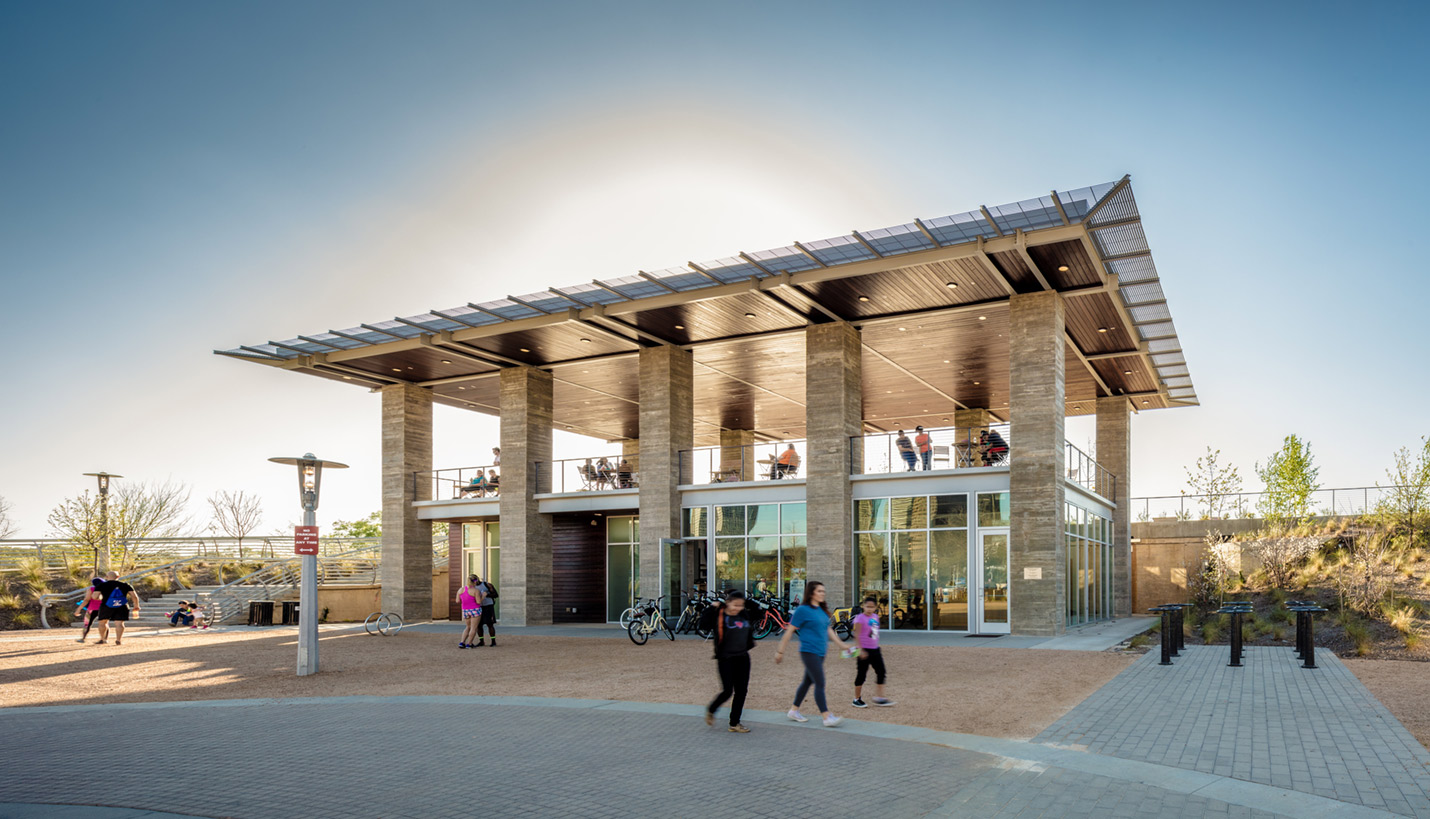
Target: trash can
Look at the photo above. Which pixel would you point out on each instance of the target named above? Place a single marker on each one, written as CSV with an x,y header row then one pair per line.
x,y
290,612
260,613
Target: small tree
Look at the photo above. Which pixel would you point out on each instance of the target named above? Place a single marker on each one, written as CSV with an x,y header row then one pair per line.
x,y
1290,478
8,526
1406,502
237,514
370,526
1213,482
78,521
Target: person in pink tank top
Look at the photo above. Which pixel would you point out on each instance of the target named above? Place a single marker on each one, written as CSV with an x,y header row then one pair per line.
x,y
88,608
470,597
866,629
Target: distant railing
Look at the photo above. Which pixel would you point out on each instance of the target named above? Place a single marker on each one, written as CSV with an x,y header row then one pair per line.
x,y
591,474
753,462
1354,500
1089,474
461,482
55,553
948,448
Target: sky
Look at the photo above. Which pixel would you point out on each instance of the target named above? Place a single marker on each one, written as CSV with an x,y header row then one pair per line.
x,y
177,178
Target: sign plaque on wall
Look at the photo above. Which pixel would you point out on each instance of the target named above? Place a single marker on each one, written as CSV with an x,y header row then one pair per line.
x,y
1032,572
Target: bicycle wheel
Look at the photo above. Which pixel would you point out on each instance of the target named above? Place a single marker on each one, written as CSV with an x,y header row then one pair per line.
x,y
683,624
843,630
627,616
637,632
664,626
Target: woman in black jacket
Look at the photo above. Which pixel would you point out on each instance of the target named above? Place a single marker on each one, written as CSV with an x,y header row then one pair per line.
x,y
734,637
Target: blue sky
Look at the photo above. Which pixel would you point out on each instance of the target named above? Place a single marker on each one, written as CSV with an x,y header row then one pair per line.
x,y
176,178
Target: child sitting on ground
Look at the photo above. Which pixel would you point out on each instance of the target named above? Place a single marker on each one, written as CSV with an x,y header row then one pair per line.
x,y
186,614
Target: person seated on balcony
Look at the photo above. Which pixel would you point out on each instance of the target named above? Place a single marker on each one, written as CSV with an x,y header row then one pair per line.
x,y
623,474
993,447
925,445
605,474
788,463
906,450
588,475
493,482
476,486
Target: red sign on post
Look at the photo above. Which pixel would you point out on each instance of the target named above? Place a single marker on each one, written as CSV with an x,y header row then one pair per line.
x,y
305,540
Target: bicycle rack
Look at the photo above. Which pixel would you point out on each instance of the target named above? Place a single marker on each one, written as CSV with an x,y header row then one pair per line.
x,y
387,623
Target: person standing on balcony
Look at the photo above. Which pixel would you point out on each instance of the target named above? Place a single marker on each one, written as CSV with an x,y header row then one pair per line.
x,y
906,450
788,463
496,456
925,445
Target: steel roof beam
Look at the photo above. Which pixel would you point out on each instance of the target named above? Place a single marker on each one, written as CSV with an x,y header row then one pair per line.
x,y
1022,244
984,259
1058,203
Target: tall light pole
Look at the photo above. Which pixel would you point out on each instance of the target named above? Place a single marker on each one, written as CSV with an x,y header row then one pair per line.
x,y
104,478
305,543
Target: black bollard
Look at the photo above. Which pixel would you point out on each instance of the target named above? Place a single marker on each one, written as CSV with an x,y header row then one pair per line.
x,y
1308,656
1181,630
1167,638
1235,639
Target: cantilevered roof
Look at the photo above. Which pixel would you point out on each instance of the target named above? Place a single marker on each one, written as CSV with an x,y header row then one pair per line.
x,y
930,296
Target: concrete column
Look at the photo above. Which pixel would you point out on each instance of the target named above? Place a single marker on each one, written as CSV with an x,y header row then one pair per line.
x,y
833,380
525,533
736,454
969,422
406,573
667,427
1114,453
631,450
1038,461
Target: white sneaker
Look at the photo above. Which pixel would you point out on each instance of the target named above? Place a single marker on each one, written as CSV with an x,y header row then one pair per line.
x,y
831,721
795,715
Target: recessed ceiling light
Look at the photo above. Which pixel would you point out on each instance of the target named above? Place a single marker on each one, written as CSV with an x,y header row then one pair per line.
x,y
585,341
945,361
982,318
680,326
888,391
1145,402
461,388
978,382
863,298
945,420
524,350
1126,372
952,285
1077,407
749,315
903,329
1062,268
1102,329
347,378
396,370
446,361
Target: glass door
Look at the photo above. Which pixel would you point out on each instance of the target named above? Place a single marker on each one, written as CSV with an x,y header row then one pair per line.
x,y
991,577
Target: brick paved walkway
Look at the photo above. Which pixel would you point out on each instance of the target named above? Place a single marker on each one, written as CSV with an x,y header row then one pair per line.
x,y
462,756
1316,731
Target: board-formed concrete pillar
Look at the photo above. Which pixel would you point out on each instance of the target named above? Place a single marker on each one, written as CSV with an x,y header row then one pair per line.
x,y
968,423
667,428
737,455
1114,453
833,379
525,583
406,572
1038,458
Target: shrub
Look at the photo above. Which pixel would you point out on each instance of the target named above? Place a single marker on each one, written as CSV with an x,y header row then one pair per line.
x,y
1211,632
1403,618
1139,641
1277,632
24,619
10,602
1359,635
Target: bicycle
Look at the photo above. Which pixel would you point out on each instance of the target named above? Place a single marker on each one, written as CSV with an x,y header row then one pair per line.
x,y
651,621
775,616
632,612
690,615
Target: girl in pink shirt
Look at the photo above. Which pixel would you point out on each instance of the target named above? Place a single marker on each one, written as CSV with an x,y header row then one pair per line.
x,y
866,628
470,596
88,608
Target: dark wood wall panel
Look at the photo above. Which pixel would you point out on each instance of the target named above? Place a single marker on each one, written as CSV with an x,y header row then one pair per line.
x,y
578,568
454,569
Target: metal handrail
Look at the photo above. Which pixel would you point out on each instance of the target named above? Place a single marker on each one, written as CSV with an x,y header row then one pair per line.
x,y
47,600
750,462
285,573
450,482
1086,472
585,474
53,552
951,448
1344,500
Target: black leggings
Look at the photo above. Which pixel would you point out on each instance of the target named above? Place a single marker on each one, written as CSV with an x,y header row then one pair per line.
x,y
734,680
488,620
875,659
813,675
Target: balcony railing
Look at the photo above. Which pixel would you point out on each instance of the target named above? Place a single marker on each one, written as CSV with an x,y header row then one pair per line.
x,y
461,482
949,448
1089,474
1348,501
754,462
602,473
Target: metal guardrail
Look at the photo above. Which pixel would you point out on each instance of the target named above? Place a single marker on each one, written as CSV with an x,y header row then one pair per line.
x,y
752,462
459,482
54,552
73,597
1355,500
950,448
591,474
1086,472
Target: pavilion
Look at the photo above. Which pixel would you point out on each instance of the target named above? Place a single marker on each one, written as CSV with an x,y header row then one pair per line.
x,y
1002,320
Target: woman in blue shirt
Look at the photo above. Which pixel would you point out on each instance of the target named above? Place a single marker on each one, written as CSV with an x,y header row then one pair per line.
x,y
811,622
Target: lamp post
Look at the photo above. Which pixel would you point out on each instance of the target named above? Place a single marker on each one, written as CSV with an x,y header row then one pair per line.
x,y
310,478
103,478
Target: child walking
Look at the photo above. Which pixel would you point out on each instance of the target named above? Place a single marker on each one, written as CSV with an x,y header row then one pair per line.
x,y
866,626
734,637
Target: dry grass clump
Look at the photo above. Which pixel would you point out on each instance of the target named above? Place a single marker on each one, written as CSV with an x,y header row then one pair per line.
x,y
10,602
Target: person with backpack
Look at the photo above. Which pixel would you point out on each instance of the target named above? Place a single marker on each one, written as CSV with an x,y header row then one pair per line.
x,y
488,619
734,637
89,607
471,597
811,621
866,627
906,450
115,598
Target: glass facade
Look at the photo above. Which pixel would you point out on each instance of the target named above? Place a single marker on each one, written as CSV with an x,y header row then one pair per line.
x,y
913,556
1090,565
623,564
758,547
481,554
